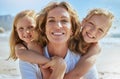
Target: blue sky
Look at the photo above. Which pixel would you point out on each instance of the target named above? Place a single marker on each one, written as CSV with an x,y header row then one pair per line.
x,y
15,6
82,6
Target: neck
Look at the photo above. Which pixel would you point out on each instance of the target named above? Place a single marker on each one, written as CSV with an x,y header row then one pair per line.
x,y
57,49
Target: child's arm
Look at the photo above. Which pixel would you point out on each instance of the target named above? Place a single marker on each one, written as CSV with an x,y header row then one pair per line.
x,y
85,63
30,55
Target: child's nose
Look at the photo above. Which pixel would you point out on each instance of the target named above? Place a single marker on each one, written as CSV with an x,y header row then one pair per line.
x,y
93,31
27,31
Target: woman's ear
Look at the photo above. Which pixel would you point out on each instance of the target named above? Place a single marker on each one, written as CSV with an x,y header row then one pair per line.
x,y
71,33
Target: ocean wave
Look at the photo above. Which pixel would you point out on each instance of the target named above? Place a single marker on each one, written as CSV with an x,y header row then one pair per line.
x,y
110,40
5,34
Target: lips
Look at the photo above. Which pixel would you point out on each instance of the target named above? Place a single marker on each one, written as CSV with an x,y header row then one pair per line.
x,y
58,33
28,36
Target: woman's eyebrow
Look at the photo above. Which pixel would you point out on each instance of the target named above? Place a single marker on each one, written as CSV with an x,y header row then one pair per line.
x,y
50,17
64,17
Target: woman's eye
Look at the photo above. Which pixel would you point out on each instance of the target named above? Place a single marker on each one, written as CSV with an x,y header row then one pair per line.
x,y
64,21
51,20
30,27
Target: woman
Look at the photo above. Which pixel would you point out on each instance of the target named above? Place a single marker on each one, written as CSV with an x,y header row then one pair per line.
x,y
59,26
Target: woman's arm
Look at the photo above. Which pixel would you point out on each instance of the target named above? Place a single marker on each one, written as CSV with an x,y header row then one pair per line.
x,y
85,63
30,55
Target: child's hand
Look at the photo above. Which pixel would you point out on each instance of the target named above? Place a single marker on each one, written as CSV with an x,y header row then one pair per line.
x,y
45,72
58,67
55,63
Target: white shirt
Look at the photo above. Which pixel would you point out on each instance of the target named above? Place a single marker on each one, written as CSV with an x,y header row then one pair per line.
x,y
72,59
29,70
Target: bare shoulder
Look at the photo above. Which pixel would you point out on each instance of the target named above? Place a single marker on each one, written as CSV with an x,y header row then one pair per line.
x,y
19,46
94,49
19,49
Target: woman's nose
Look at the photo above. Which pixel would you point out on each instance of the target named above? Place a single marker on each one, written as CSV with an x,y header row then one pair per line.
x,y
58,24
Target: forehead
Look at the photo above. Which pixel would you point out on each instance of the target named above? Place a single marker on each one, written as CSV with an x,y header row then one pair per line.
x,y
100,20
26,18
58,12
25,21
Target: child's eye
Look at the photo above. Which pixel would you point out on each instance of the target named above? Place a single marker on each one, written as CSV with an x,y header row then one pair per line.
x,y
20,29
101,30
90,24
30,27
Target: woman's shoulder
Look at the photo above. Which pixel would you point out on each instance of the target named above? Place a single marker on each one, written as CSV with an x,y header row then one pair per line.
x,y
72,55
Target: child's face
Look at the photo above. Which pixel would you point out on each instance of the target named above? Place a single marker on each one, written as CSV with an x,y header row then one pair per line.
x,y
26,29
95,28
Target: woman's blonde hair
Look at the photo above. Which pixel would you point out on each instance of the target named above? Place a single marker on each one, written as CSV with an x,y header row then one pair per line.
x,y
14,38
82,45
41,21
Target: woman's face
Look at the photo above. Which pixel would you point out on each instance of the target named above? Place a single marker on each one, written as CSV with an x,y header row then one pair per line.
x,y
58,25
25,28
95,28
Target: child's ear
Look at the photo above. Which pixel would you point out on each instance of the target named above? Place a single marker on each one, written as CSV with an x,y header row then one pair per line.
x,y
71,33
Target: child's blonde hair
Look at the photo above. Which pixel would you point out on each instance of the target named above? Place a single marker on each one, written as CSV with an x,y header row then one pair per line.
x,y
99,11
82,45
14,38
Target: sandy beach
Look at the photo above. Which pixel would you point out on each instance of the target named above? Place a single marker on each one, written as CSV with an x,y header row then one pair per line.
x,y
108,63
8,69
